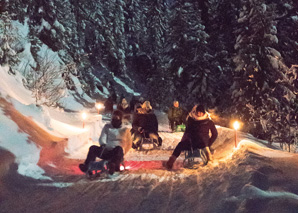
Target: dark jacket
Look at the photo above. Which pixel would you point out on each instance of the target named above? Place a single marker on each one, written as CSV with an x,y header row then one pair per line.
x,y
133,103
175,113
109,105
198,132
147,121
123,110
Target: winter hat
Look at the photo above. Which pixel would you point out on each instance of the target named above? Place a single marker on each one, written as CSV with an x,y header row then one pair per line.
x,y
118,114
146,105
200,108
195,110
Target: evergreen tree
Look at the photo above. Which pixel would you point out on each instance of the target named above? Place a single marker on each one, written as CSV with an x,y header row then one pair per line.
x,y
287,24
189,54
8,40
261,91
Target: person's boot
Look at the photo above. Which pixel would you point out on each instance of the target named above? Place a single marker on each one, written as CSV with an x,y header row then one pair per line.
x,y
208,153
83,167
159,141
112,168
170,162
117,166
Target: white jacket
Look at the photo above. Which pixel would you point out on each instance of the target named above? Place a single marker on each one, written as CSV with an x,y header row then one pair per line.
x,y
112,137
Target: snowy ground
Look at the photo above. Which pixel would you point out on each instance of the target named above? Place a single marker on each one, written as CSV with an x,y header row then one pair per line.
x,y
40,149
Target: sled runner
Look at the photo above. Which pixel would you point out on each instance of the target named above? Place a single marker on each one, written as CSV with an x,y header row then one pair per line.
x,y
193,157
97,168
146,140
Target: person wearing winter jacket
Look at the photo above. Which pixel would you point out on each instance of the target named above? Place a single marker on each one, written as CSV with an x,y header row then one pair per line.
x,y
109,105
175,115
196,135
123,106
115,141
145,122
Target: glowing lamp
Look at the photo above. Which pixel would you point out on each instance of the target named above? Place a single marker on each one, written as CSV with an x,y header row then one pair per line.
x,y
99,106
84,117
236,127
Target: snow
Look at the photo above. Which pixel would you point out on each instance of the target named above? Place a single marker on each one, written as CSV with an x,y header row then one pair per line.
x,y
250,191
58,25
127,89
69,102
54,121
69,125
228,179
266,152
45,25
294,18
18,91
26,59
180,70
16,142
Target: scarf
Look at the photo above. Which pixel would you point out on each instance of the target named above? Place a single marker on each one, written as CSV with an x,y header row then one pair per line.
x,y
193,114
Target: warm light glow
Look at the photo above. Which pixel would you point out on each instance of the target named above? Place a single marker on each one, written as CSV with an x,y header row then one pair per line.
x,y
126,168
236,125
84,115
99,106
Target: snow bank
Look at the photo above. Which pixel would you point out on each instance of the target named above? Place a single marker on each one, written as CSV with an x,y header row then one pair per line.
x,y
27,154
11,85
261,149
252,192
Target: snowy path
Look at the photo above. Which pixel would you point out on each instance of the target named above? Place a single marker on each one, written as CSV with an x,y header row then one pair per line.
x,y
236,184
251,178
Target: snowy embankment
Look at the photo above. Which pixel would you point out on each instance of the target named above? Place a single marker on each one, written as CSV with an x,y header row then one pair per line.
x,y
18,112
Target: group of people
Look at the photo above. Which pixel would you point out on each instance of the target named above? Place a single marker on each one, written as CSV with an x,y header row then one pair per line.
x,y
116,139
122,105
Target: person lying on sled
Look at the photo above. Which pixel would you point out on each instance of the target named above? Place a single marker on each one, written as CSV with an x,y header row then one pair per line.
x,y
196,135
114,141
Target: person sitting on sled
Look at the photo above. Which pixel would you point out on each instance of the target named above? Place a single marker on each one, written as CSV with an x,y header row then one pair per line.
x,y
175,115
196,135
114,141
145,122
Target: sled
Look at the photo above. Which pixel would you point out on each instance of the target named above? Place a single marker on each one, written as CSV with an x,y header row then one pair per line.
x,y
180,128
148,141
98,168
193,158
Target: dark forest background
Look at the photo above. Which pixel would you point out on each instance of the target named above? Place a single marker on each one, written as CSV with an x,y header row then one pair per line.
x,y
238,57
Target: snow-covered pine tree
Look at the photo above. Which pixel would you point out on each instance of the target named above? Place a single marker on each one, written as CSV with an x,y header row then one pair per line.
x,y
158,44
112,27
220,20
8,40
287,23
139,29
261,91
189,55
